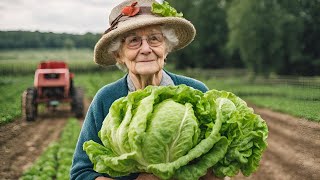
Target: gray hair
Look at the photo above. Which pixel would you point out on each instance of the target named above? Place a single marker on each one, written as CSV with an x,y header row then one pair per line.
x,y
171,40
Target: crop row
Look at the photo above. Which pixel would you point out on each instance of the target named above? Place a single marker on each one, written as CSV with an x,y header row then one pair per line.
x,y
11,89
56,160
15,62
23,67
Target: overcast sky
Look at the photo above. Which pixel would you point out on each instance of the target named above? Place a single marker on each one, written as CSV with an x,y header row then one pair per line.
x,y
70,16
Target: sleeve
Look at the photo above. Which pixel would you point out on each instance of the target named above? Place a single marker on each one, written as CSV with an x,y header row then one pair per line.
x,y
82,168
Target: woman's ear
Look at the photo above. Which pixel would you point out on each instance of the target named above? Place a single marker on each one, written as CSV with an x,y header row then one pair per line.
x,y
165,55
117,56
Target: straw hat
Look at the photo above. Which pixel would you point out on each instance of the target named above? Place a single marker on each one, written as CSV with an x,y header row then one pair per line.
x,y
134,14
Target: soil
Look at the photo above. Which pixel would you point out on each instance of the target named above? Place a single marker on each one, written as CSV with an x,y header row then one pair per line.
x,y
293,148
292,153
21,142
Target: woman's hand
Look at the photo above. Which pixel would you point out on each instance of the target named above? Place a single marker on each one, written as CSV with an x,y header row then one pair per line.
x,y
146,176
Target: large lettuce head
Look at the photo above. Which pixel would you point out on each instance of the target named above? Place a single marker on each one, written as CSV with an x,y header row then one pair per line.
x,y
177,132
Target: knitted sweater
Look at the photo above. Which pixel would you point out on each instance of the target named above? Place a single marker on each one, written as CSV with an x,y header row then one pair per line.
x,y
82,167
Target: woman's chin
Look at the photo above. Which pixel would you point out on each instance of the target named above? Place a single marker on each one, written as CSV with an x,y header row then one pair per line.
x,y
147,70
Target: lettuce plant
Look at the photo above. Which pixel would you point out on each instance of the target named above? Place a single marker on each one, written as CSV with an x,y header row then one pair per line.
x,y
177,132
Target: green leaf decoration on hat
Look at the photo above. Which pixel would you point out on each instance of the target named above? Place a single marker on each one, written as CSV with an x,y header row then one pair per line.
x,y
165,10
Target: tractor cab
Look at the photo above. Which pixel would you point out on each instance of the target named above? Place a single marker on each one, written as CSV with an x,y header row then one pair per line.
x,y
53,84
53,80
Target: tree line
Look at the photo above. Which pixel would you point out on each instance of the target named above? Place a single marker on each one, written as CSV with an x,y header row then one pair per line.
x,y
264,36
27,39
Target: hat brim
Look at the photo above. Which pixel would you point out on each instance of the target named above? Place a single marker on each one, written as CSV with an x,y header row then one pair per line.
x,y
184,30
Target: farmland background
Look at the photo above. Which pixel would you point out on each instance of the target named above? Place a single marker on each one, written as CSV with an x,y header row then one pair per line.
x,y
296,95
266,52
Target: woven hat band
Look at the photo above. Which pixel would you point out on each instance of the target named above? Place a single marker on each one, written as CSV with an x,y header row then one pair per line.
x,y
121,17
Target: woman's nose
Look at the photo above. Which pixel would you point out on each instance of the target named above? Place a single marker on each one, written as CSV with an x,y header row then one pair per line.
x,y
145,48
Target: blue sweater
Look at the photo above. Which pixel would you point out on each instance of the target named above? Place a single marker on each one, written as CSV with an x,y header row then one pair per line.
x,y
82,168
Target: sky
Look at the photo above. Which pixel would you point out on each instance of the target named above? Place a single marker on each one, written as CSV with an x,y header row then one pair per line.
x,y
59,16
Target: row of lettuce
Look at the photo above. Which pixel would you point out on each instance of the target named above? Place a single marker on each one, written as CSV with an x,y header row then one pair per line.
x,y
55,161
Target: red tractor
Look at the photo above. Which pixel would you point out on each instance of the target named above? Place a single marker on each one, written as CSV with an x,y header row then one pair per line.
x,y
53,84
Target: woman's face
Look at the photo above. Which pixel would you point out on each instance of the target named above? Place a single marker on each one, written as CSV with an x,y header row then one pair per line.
x,y
143,51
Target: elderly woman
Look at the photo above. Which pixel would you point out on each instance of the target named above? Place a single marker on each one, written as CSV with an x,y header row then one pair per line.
x,y
138,41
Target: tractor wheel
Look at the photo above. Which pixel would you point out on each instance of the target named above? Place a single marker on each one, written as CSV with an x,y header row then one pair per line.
x,y
23,104
77,105
30,106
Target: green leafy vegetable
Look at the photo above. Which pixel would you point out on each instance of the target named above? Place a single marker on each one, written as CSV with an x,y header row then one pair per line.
x,y
179,132
165,10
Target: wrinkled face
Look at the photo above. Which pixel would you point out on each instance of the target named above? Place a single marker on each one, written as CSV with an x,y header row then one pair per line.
x,y
143,51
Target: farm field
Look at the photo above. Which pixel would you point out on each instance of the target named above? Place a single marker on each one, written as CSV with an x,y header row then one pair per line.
x,y
297,100
290,108
291,154
298,96
17,62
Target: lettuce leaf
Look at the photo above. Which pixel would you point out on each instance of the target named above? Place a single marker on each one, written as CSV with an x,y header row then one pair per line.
x,y
165,10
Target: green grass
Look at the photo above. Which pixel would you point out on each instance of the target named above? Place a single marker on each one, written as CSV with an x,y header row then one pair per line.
x,y
243,87
295,100
305,109
11,89
92,82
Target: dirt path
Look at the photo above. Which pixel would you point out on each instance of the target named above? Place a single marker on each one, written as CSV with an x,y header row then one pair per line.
x,y
293,149
22,142
292,154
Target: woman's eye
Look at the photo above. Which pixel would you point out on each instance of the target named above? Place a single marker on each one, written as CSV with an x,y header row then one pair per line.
x,y
153,38
134,39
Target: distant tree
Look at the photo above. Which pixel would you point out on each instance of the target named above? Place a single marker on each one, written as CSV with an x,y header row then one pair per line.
x,y
185,58
292,38
280,36
310,14
208,48
27,39
68,43
212,33
255,30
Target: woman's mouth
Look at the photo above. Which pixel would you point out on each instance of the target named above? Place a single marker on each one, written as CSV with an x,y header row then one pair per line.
x,y
146,61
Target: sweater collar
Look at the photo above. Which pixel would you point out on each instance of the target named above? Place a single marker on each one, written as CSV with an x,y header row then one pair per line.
x,y
165,81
